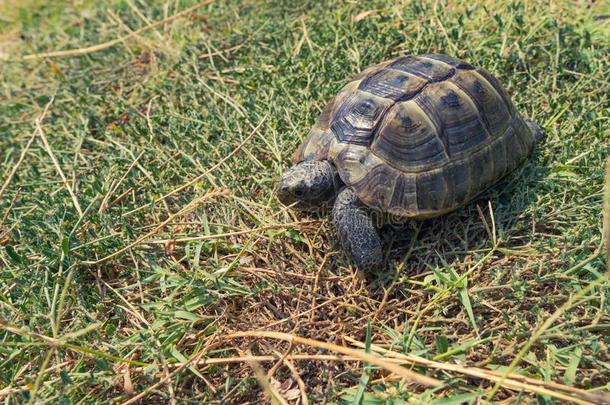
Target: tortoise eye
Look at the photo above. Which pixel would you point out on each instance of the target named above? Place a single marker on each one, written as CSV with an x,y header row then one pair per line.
x,y
300,191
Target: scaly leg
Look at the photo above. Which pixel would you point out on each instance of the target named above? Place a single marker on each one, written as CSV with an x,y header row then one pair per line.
x,y
357,232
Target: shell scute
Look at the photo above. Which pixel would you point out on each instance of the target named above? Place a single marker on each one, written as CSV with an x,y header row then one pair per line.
x,y
500,157
456,117
482,166
459,179
405,195
491,79
357,117
523,133
493,109
377,187
354,162
408,139
431,191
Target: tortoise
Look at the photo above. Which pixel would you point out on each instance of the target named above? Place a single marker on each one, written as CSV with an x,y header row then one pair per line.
x,y
411,138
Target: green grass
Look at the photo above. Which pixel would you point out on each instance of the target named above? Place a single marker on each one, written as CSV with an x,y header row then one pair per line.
x,y
132,123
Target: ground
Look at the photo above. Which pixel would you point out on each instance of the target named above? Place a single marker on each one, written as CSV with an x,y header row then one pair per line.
x,y
139,226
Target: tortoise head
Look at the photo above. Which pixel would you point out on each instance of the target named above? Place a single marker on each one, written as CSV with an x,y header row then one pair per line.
x,y
310,185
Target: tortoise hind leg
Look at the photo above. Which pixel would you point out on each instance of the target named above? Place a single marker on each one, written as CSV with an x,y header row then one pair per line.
x,y
356,230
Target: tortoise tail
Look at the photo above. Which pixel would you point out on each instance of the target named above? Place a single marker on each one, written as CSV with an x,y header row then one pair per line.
x,y
537,130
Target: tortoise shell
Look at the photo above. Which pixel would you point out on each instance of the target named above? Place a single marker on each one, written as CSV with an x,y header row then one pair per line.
x,y
419,136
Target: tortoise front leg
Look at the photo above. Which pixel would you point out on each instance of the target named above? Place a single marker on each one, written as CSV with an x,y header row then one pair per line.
x,y
356,230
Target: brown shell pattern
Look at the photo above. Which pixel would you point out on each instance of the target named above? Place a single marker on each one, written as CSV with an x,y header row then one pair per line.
x,y
419,136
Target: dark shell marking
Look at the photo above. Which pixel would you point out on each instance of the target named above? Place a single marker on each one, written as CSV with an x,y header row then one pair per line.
x,y
419,136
